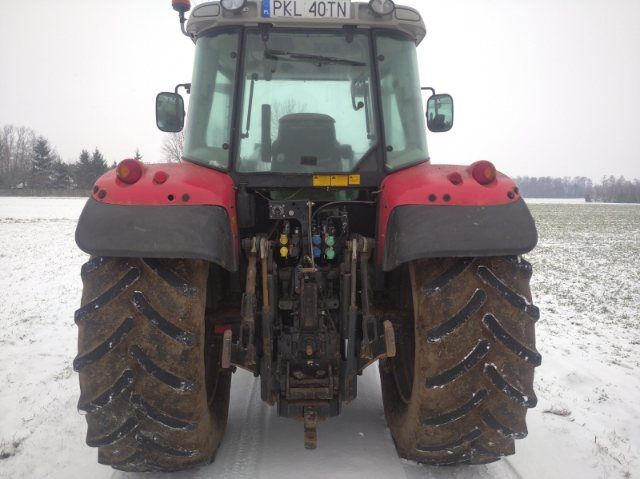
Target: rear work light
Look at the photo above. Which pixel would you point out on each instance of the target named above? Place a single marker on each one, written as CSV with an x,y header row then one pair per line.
x,y
129,171
382,7
233,5
484,172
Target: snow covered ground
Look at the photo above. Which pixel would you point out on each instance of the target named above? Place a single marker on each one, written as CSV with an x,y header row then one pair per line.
x,y
587,423
555,201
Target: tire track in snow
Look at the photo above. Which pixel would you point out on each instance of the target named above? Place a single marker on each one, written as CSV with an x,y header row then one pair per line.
x,y
507,462
241,453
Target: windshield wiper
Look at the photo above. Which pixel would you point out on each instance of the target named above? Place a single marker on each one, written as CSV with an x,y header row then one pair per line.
x,y
305,57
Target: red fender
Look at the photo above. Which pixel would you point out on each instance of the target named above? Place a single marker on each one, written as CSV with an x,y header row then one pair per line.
x,y
439,185
172,184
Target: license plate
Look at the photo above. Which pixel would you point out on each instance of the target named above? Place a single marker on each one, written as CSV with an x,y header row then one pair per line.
x,y
306,8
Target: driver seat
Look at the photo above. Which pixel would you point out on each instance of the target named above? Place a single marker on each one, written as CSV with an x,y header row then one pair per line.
x,y
306,143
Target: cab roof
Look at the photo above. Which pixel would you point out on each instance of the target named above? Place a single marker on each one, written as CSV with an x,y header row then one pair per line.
x,y
211,15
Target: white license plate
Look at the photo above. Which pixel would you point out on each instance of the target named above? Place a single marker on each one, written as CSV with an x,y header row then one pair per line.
x,y
306,8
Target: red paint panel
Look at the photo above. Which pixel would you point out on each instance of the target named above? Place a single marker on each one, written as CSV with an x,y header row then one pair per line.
x,y
428,184
183,184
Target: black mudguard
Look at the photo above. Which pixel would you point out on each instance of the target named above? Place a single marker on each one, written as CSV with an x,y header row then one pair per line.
x,y
422,231
133,231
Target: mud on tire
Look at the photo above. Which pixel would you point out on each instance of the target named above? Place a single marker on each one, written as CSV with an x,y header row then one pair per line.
x,y
462,381
151,386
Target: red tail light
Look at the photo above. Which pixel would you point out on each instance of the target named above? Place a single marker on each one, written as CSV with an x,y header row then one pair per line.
x,y
129,171
484,172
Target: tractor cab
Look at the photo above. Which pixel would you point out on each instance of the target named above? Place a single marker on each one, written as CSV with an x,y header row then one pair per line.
x,y
285,93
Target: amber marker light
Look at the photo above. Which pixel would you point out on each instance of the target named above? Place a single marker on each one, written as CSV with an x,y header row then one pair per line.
x,y
484,172
129,171
181,6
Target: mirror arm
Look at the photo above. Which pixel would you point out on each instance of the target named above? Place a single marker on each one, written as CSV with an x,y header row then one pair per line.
x,y
183,21
433,92
186,86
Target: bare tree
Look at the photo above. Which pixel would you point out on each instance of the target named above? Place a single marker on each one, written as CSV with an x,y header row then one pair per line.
x,y
172,147
16,151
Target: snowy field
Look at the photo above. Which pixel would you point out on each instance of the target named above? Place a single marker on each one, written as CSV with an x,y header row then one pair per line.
x,y
587,423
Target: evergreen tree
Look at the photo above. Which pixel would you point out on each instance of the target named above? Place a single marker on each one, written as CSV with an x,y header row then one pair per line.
x,y
89,168
98,162
83,171
42,163
85,158
61,175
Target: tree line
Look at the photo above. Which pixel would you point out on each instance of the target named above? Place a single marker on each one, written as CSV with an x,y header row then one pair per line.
x,y
609,190
29,161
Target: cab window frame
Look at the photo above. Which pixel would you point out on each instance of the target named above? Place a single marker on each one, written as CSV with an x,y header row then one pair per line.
x,y
375,35
376,149
238,31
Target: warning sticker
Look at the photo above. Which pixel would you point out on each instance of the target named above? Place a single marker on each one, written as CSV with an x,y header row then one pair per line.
x,y
336,181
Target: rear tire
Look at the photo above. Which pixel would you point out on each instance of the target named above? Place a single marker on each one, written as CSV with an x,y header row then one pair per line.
x,y
459,388
154,394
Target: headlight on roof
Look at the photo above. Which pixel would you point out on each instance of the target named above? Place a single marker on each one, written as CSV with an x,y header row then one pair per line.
x,y
382,7
233,5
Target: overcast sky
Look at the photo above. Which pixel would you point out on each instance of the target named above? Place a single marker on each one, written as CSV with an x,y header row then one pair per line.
x,y
542,87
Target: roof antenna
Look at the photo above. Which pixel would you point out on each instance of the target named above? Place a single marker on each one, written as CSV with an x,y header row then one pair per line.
x,y
182,7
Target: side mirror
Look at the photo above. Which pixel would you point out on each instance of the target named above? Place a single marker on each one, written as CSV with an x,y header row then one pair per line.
x,y
170,112
440,113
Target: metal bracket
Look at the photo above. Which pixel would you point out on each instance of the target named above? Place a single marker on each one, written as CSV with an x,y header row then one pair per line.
x,y
242,352
269,388
310,428
379,342
378,337
265,28
226,349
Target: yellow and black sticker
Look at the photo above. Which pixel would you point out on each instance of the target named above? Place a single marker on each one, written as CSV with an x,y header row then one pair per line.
x,y
340,180
321,181
336,181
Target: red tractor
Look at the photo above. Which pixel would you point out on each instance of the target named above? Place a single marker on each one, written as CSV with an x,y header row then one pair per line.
x,y
305,236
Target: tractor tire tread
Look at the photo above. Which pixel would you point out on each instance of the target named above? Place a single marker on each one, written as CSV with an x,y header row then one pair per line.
x,y
141,361
473,366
